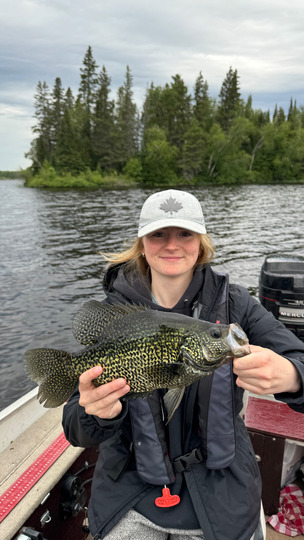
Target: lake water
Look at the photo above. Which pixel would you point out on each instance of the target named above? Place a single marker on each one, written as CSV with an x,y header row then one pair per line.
x,y
50,263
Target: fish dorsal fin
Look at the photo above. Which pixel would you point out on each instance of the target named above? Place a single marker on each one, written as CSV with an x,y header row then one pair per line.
x,y
172,400
94,317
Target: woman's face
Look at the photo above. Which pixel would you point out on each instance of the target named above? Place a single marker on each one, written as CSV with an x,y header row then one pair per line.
x,y
171,251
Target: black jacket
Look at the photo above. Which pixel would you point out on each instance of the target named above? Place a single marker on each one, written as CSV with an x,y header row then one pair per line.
x,y
224,502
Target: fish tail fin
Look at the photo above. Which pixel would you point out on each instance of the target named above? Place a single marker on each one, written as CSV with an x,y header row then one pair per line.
x,y
53,372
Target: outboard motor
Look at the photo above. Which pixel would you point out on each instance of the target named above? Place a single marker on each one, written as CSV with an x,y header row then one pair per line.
x,y
281,291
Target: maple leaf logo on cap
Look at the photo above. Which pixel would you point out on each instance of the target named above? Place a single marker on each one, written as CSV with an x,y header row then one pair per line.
x,y
171,205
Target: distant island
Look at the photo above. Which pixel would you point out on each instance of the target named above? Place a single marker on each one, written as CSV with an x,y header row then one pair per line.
x,y
177,138
10,175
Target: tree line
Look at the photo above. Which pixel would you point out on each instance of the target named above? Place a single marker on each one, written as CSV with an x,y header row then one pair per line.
x,y
176,137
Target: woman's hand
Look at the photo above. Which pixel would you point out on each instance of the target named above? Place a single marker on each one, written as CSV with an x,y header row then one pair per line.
x,y
102,401
266,372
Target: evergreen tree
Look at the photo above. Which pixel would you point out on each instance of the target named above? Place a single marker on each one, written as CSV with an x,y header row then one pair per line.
x,y
177,111
103,124
153,110
42,147
70,155
248,108
230,99
57,111
294,116
89,81
126,126
85,100
280,117
202,109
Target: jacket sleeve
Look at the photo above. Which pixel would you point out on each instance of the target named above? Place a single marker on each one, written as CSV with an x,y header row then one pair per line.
x,y
263,329
82,429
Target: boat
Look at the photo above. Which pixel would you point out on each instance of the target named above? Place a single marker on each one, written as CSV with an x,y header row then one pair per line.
x,y
45,482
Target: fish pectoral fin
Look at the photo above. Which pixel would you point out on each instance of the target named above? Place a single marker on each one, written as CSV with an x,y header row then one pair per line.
x,y
93,318
164,372
172,400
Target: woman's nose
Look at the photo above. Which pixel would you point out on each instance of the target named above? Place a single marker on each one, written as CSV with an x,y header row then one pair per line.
x,y
172,242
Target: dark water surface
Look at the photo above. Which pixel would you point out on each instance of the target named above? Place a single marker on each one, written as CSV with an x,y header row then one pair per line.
x,y
49,261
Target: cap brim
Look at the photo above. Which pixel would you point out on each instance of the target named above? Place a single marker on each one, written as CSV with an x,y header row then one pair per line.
x,y
162,223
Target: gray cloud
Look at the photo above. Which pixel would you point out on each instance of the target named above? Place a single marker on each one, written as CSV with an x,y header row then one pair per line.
x,y
40,40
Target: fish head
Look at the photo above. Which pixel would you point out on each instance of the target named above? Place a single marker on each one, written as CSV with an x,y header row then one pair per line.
x,y
218,344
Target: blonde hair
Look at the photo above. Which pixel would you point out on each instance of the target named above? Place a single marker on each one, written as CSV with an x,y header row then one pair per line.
x,y
133,258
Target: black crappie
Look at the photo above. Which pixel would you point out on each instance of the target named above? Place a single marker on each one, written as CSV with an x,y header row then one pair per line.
x,y
151,349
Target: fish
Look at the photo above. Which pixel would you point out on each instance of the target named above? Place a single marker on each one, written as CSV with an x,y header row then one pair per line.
x,y
151,349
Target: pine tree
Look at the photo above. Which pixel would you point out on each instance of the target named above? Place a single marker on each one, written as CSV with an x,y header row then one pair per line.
x,y
89,81
103,124
153,110
42,147
202,109
69,155
56,111
230,99
126,125
177,111
280,117
86,99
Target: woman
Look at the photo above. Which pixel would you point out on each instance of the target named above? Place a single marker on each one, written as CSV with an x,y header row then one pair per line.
x,y
202,461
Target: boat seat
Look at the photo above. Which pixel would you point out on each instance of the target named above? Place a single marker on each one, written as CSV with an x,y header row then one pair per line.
x,y
277,435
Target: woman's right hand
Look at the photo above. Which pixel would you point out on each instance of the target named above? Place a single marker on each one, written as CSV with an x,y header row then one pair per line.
x,y
102,401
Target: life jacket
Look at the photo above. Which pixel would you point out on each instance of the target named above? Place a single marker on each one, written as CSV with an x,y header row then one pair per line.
x,y
214,398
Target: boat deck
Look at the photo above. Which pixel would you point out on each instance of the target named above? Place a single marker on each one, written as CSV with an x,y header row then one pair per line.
x,y
19,455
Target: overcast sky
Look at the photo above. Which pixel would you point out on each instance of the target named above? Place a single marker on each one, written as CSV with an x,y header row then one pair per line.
x,y
45,39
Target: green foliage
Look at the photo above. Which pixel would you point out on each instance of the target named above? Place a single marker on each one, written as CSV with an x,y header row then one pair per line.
x,y
159,159
96,140
133,169
48,178
194,151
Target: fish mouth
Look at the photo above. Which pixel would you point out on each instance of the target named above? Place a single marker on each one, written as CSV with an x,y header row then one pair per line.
x,y
237,341
212,361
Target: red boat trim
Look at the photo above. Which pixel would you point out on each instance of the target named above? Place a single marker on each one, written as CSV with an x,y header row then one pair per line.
x,y
271,299
13,495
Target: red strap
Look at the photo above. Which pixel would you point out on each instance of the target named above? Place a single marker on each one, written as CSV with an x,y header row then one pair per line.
x,y
13,495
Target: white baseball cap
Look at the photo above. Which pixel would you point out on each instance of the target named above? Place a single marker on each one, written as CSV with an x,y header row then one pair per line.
x,y
171,208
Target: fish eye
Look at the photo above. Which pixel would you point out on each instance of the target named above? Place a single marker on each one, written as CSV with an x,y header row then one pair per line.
x,y
216,332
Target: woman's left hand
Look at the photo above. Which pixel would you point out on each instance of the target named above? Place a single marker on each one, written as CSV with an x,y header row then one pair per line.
x,y
266,372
